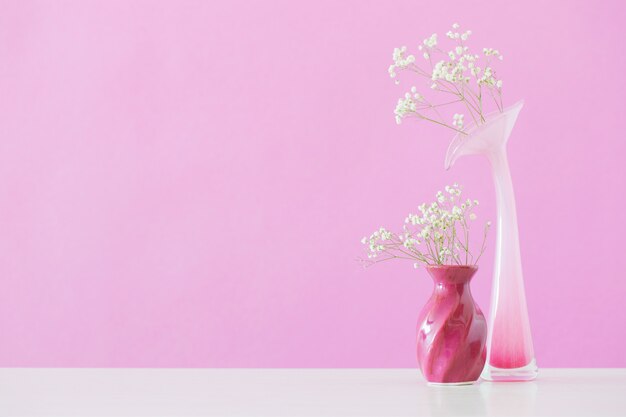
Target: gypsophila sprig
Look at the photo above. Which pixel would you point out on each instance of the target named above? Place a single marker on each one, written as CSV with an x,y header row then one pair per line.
x,y
459,76
438,234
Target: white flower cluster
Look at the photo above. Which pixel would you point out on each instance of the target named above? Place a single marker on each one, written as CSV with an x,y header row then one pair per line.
x,y
452,71
429,44
460,60
457,121
456,35
400,61
431,41
492,52
407,104
488,79
376,242
459,72
438,234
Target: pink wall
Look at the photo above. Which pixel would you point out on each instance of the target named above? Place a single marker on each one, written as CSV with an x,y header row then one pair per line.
x,y
186,183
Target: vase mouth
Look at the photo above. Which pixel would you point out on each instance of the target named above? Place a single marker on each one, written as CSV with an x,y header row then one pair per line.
x,y
480,138
472,267
451,274
473,128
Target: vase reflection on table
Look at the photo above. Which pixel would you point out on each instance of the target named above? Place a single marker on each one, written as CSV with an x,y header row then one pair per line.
x,y
510,354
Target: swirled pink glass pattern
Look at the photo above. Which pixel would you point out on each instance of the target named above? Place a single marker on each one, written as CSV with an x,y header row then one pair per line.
x,y
451,329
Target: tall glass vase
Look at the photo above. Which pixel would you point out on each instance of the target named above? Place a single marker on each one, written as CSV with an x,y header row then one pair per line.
x,y
510,355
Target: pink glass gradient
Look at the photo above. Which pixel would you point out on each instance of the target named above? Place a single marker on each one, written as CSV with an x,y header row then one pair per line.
x,y
510,352
452,331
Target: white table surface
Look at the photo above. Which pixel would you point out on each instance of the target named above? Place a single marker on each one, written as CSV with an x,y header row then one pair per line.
x,y
302,392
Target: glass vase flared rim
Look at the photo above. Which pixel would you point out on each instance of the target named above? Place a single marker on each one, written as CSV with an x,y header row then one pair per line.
x,y
473,128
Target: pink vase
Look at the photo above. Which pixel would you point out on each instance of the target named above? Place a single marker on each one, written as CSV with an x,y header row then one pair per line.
x,y
451,330
510,353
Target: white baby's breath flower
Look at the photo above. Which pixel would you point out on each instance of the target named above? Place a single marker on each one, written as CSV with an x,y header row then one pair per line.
x,y
436,227
455,70
431,41
400,60
457,121
406,105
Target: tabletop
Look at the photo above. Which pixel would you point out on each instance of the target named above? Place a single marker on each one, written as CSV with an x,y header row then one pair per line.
x,y
302,392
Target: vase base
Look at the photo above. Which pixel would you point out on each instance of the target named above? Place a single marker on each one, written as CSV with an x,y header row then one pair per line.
x,y
450,384
525,373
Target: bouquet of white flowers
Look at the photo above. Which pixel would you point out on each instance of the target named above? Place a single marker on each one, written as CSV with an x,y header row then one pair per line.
x,y
438,235
459,76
